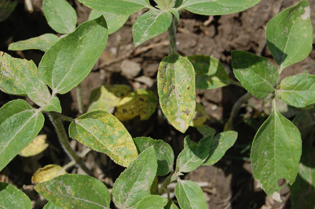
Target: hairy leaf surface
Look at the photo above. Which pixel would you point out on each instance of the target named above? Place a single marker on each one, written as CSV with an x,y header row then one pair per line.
x,y
12,197
152,202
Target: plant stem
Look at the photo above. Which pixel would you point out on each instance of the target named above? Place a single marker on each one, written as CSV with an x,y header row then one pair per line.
x,y
79,99
172,49
165,183
63,138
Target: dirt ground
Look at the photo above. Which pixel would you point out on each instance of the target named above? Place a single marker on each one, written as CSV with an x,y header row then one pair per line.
x,y
227,184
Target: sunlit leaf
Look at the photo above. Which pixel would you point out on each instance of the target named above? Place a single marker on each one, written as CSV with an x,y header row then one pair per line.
x,y
200,116
37,146
165,4
12,197
47,173
152,202
50,205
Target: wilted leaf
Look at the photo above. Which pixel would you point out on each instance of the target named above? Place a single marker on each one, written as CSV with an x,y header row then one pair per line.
x,y
200,116
47,173
75,191
104,133
37,146
141,102
12,197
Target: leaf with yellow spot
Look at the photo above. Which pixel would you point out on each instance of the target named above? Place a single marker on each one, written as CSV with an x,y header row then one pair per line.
x,y
141,102
103,132
14,74
37,146
107,97
47,173
200,116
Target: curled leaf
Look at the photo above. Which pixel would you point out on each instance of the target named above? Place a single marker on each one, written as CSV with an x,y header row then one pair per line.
x,y
47,173
37,146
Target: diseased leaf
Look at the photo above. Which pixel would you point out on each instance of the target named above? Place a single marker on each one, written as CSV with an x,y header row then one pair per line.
x,y
164,153
107,97
152,202
71,59
49,205
150,24
176,89
200,116
219,145
104,133
190,195
114,21
43,43
218,7
12,197
37,146
141,102
19,125
258,76
289,35
70,191
47,173
14,73
134,183
52,105
210,73
297,90
6,8
60,15
275,153
123,7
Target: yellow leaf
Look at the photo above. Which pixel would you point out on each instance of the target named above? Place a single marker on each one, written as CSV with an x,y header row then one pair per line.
x,y
47,173
37,146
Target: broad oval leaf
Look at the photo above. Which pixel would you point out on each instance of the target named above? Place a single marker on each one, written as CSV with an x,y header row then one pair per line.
x,y
71,59
164,153
47,173
104,133
134,183
150,24
60,15
75,191
52,105
258,76
12,197
219,145
19,125
123,7
176,89
50,205
152,202
297,90
43,43
218,7
37,146
141,102
289,35
190,195
210,73
275,153
14,74
114,21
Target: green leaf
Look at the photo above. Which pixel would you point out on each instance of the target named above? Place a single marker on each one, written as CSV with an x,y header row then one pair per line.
x,y
134,183
219,145
141,102
19,125
165,4
71,59
176,89
302,192
190,195
60,15
43,43
218,7
123,7
193,155
114,21
6,8
304,120
12,197
14,73
150,24
104,133
175,13
107,97
75,191
210,73
297,90
49,205
290,35
164,153
258,76
53,105
152,202
200,116
171,205
275,153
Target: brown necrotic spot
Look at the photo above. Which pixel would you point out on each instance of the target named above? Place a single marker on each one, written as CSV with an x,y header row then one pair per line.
x,y
188,87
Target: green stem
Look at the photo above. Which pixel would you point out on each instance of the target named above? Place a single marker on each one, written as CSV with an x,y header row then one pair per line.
x,y
165,183
79,99
236,83
172,49
63,138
